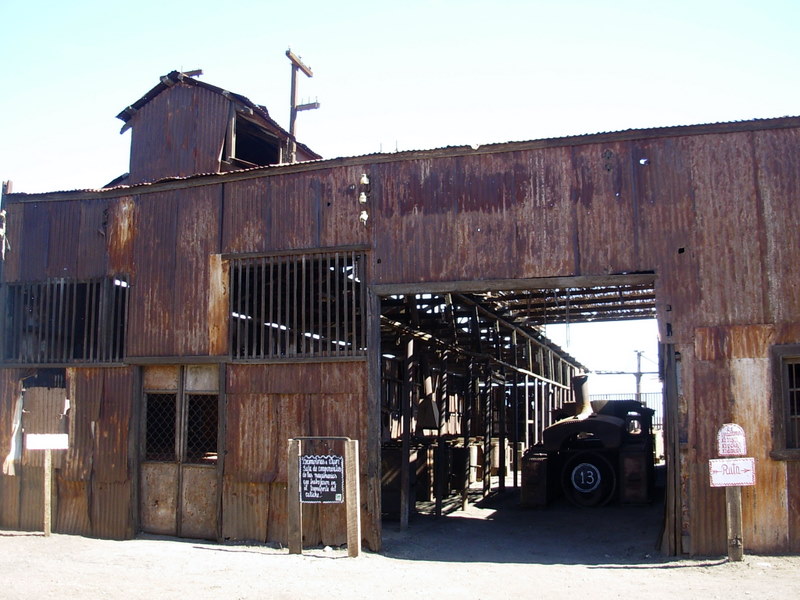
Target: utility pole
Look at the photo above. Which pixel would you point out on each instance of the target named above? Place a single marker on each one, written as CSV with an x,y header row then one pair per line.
x,y
297,65
637,373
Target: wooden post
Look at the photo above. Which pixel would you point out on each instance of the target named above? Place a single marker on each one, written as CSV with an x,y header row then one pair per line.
x,y
48,491
352,497
733,509
405,461
293,506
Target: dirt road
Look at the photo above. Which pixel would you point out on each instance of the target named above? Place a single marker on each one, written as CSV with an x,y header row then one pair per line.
x,y
490,552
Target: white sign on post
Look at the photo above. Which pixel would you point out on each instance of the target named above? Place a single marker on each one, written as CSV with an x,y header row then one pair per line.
x,y
731,441
727,472
47,441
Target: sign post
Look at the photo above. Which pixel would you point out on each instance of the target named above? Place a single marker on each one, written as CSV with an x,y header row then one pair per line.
x,y
732,474
47,442
323,479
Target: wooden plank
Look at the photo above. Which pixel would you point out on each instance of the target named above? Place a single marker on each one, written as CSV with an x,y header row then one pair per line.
x,y
293,507
733,512
352,498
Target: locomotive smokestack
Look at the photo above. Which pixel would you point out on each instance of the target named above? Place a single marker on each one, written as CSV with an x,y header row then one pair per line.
x,y
580,390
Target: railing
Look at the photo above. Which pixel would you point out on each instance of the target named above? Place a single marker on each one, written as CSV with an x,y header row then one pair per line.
x,y
652,400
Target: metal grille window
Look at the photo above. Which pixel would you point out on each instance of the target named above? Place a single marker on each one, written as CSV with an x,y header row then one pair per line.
x,y
304,305
786,401
161,419
201,429
792,368
65,321
181,431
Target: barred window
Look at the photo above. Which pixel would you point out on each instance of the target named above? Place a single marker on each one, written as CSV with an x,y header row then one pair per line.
x,y
792,374
303,305
786,404
65,321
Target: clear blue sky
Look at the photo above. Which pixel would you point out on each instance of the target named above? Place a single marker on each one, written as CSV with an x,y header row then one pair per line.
x,y
389,75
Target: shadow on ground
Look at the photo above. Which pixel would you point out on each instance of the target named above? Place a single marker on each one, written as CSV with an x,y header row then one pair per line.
x,y
496,529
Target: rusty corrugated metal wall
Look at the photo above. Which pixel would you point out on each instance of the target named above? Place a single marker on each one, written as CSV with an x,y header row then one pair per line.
x,y
178,133
711,210
267,405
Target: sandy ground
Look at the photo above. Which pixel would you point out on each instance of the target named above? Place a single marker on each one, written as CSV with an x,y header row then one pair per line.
x,y
494,551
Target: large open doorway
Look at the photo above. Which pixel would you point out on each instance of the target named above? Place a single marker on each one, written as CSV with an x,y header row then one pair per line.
x,y
472,386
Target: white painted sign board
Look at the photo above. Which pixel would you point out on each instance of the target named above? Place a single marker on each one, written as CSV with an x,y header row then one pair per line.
x,y
731,441
46,441
728,472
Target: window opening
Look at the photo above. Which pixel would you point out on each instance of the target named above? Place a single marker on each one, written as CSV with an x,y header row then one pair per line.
x,y
65,321
161,420
306,305
792,373
201,429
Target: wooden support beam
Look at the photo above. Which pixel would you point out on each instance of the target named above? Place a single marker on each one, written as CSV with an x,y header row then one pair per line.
x,y
405,410
293,506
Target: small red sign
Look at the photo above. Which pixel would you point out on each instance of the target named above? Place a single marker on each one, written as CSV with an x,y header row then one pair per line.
x,y
730,440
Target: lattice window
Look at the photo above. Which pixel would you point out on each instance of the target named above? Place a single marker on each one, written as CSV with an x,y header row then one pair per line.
x,y
302,305
181,428
160,427
65,321
201,429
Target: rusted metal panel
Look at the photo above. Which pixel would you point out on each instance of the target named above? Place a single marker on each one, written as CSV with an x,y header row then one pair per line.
x,y
778,182
218,305
199,502
158,497
252,438
42,413
339,206
10,389
31,499
598,194
15,228
487,216
111,509
261,421
73,507
111,460
729,229
739,341
94,234
201,378
294,212
661,185
64,218
793,488
764,505
35,241
246,510
151,316
170,300
277,528
9,501
710,381
121,227
197,238
247,217
161,377
85,393
278,378
178,133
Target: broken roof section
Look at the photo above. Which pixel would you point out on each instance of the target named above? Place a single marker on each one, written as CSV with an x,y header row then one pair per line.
x,y
184,127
